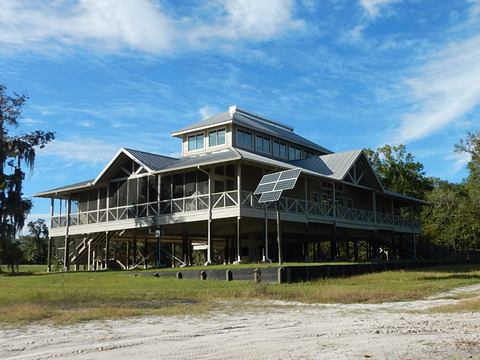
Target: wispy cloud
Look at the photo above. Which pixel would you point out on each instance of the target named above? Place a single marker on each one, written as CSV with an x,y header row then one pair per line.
x,y
443,91
142,25
208,111
373,7
460,160
81,149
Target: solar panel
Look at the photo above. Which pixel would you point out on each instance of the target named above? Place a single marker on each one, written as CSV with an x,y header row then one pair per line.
x,y
271,186
261,188
285,184
290,174
270,178
270,196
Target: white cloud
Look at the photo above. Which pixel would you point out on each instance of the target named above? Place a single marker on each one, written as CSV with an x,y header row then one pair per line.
x,y
474,8
208,111
86,123
373,7
460,160
443,90
81,149
141,25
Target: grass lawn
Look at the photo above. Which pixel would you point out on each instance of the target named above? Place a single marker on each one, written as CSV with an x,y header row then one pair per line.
x,y
70,297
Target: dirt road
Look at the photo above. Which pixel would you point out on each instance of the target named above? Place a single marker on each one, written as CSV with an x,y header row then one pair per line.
x,y
270,330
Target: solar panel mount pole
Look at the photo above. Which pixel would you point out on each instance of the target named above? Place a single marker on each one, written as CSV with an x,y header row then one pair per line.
x,y
265,254
279,235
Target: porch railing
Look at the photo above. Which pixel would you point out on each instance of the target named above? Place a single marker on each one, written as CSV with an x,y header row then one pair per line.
x,y
192,203
220,200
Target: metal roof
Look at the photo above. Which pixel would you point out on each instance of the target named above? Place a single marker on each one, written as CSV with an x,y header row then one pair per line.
x,y
203,159
332,166
335,166
256,123
79,185
152,161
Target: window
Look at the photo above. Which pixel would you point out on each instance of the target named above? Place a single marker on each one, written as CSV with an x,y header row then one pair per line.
x,y
244,138
279,149
195,142
314,196
216,137
262,144
294,153
309,154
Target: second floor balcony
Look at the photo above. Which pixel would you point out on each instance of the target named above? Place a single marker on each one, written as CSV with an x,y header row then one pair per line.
x,y
291,209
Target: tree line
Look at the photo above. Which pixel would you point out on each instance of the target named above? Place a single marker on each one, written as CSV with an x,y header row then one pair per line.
x,y
450,222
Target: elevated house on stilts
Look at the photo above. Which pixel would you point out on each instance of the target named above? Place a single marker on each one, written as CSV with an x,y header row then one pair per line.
x,y
146,209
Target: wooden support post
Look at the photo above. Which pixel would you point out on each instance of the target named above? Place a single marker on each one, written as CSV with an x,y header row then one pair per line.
x,y
89,256
145,253
173,255
107,249
127,260
209,220
159,250
49,246
355,249
333,243
134,250
225,251
184,247
347,245
239,259
49,254
66,255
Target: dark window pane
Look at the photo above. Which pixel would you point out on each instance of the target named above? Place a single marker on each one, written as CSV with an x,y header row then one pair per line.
x,y
248,140
258,143
132,192
92,200
83,201
103,198
212,138
190,182
166,188
230,170
266,145
191,143
153,188
113,195
122,193
240,138
291,153
230,185
199,142
221,137
178,186
219,186
202,183
219,170
142,190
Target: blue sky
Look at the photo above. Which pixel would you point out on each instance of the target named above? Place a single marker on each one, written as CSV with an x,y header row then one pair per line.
x,y
347,74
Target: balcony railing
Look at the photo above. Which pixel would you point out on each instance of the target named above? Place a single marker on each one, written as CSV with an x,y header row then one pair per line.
x,y
200,202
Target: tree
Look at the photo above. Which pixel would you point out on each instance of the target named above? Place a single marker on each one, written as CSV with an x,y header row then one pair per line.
x,y
398,170
16,151
34,245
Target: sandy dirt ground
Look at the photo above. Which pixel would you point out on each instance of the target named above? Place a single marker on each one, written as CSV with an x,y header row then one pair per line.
x,y
264,330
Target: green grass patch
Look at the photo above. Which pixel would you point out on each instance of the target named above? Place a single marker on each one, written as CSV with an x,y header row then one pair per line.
x,y
71,297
